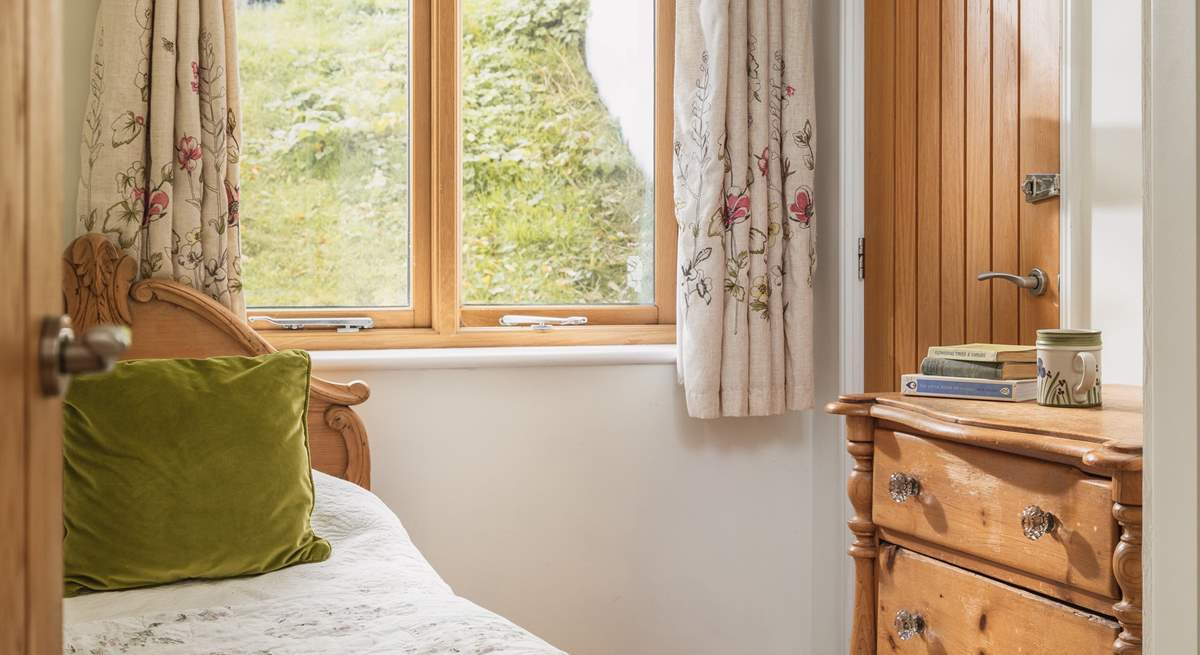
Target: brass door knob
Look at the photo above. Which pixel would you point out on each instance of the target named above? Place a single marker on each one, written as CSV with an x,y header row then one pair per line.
x,y
60,355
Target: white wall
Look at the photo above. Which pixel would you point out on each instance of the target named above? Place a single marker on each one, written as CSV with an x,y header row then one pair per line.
x,y
1115,280
582,503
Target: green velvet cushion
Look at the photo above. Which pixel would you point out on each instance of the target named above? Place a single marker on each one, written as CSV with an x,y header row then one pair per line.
x,y
187,468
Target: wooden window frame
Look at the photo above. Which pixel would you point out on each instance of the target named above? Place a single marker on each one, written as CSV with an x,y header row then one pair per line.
x,y
437,317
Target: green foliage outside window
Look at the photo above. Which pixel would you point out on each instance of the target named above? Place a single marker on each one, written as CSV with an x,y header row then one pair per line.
x,y
325,158
554,204
555,207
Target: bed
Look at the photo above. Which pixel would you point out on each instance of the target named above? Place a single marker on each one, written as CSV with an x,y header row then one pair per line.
x,y
376,593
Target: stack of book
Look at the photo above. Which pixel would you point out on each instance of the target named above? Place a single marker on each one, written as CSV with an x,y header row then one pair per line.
x,y
982,371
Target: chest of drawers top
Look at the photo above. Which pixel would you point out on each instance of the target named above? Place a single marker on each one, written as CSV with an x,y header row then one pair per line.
x,y
1101,440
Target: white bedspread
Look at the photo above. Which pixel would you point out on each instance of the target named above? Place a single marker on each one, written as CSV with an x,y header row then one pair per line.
x,y
376,594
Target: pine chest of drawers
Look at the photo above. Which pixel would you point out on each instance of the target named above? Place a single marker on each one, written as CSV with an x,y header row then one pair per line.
x,y
994,528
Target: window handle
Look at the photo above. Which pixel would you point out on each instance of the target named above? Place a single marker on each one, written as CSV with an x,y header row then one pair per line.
x,y
540,323
349,324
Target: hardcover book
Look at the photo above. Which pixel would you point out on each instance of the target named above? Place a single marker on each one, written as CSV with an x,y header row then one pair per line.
x,y
1017,391
958,368
985,352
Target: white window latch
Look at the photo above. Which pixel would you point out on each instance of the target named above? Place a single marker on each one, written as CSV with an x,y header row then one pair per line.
x,y
353,324
541,323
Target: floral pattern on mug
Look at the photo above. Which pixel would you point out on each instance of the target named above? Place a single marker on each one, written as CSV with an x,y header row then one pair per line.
x,y
1058,378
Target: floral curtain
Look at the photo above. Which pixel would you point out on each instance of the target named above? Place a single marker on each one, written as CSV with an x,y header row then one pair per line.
x,y
161,141
744,167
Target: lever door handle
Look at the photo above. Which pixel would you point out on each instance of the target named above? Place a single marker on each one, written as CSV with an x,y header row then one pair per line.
x,y
61,355
1035,281
96,351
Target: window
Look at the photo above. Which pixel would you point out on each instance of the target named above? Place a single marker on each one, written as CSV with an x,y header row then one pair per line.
x,y
437,165
325,153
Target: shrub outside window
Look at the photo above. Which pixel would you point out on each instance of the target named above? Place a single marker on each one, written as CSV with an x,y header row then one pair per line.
x,y
437,165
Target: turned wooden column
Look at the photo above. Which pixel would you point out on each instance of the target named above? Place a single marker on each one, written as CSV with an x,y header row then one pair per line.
x,y
1127,561
860,442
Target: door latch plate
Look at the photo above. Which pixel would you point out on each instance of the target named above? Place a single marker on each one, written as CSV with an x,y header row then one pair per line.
x,y
1040,186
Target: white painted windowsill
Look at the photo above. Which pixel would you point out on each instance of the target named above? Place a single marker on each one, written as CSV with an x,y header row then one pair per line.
x,y
522,357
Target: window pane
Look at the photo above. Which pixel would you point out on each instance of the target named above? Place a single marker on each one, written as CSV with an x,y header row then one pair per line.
x,y
558,141
325,123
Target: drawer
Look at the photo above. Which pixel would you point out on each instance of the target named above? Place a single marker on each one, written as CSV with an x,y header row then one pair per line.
x,y
970,500
962,612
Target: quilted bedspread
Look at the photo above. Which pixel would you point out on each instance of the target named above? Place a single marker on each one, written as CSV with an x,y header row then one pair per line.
x,y
376,594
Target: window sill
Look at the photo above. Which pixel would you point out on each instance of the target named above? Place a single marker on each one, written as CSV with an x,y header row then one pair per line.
x,y
492,357
378,339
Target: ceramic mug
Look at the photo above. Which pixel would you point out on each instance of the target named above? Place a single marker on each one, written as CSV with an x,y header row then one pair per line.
x,y
1068,368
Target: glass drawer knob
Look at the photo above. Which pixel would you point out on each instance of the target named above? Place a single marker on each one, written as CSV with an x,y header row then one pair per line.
x,y
909,624
902,486
1037,522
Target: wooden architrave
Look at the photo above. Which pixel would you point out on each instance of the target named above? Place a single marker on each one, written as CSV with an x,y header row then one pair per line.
x,y
169,319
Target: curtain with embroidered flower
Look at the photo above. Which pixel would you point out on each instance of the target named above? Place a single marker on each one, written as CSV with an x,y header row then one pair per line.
x,y
161,141
744,169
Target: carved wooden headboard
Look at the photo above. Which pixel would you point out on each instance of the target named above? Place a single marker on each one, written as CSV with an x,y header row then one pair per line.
x,y
171,320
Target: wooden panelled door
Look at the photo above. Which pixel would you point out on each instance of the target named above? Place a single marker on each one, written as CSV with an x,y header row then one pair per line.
x,y
30,272
962,101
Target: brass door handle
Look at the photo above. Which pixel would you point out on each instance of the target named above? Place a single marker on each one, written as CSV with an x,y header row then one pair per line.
x,y
60,355
1035,281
